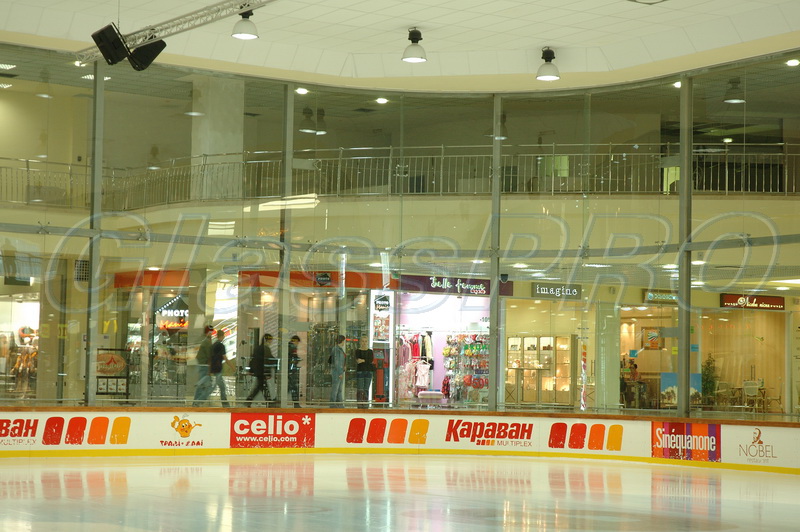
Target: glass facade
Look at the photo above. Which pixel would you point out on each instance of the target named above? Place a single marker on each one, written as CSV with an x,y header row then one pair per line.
x,y
515,251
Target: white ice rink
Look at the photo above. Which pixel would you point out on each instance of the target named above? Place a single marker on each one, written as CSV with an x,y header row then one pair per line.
x,y
325,493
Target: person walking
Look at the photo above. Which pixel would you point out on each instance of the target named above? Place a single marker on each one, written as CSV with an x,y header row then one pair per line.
x,y
337,373
203,388
215,366
294,371
258,369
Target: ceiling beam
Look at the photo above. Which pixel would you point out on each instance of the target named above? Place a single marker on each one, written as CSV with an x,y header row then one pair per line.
x,y
189,21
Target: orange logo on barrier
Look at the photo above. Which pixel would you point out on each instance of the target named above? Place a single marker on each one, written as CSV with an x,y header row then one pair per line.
x,y
398,431
599,438
184,427
79,430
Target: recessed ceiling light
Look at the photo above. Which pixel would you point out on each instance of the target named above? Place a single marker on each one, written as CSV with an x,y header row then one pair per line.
x,y
376,265
590,265
677,84
727,140
381,100
44,95
153,268
698,283
301,90
519,265
91,76
698,262
79,63
670,266
194,113
6,66
5,85
478,261
782,288
793,62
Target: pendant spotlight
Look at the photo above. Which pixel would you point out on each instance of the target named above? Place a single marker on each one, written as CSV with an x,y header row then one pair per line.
x,y
245,29
322,127
734,94
414,52
307,125
548,71
503,130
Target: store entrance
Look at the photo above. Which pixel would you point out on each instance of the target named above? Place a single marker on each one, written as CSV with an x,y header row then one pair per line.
x,y
541,353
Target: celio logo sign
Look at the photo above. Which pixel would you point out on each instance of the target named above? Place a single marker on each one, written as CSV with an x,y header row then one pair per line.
x,y
757,452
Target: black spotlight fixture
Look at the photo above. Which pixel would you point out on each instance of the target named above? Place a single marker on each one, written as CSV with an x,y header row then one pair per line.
x,y
111,45
144,56
113,48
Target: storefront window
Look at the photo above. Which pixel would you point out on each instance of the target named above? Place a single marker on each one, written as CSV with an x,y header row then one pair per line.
x,y
203,226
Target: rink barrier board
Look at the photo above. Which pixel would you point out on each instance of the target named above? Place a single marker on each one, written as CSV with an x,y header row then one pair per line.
x,y
132,453
82,432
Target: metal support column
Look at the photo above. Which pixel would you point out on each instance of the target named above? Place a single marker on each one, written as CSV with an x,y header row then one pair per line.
x,y
284,279
96,208
685,258
495,358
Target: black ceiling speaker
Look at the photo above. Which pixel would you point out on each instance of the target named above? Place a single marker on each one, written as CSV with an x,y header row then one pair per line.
x,y
144,56
110,43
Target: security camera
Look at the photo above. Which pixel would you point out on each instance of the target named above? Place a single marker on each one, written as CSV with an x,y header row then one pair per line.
x,y
503,277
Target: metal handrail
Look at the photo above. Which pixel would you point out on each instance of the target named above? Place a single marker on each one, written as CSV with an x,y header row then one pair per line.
x,y
607,169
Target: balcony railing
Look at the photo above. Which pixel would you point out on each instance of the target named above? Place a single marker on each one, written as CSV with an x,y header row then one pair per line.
x,y
537,169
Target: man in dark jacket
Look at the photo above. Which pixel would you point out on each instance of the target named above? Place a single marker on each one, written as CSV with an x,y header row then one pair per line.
x,y
258,369
218,359
294,371
204,385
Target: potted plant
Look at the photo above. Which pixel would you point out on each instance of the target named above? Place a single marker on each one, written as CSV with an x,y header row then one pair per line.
x,y
709,378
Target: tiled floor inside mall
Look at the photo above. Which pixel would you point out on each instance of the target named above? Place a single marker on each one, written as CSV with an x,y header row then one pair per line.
x,y
385,492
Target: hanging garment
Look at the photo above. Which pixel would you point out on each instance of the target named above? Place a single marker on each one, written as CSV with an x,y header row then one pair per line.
x,y
423,375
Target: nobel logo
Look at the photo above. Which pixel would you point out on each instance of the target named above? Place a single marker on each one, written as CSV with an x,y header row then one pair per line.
x,y
78,430
380,431
575,437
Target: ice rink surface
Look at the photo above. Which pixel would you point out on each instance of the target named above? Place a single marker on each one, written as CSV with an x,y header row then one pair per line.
x,y
326,493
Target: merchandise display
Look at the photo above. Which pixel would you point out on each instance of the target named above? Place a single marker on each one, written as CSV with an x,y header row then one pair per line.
x,y
539,369
466,359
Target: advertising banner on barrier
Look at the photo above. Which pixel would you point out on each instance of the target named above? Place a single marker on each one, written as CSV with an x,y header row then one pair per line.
x,y
138,430
272,430
620,438
128,432
699,442
483,433
760,445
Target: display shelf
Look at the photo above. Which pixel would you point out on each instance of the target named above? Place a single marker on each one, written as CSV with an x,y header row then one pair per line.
x,y
546,364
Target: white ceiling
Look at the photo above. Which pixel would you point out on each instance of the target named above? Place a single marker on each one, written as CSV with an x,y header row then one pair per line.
x,y
492,45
